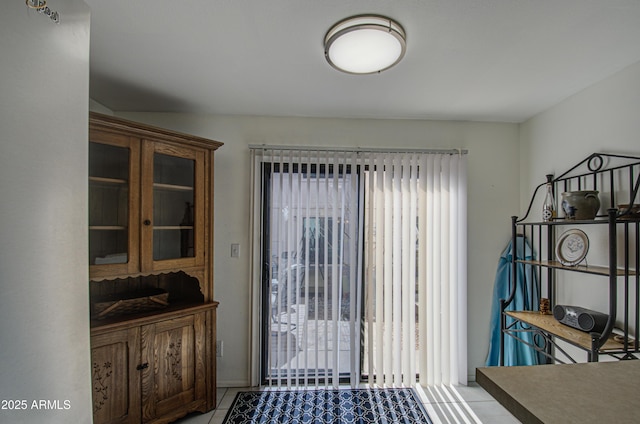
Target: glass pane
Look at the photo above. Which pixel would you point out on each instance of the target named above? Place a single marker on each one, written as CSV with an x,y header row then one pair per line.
x,y
108,247
108,204
173,170
173,207
108,161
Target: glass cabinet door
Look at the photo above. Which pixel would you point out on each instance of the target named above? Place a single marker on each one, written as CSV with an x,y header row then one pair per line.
x,y
173,201
172,206
112,191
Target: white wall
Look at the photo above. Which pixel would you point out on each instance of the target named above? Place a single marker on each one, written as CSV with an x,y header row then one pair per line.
x,y
95,106
44,314
601,118
493,198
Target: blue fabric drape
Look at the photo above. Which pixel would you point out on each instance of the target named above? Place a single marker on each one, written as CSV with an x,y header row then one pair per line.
x,y
527,297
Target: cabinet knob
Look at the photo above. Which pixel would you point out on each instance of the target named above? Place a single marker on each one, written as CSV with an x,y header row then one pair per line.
x,y
146,222
142,366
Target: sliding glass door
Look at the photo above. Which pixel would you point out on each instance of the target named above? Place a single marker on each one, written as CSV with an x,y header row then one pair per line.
x,y
362,267
310,240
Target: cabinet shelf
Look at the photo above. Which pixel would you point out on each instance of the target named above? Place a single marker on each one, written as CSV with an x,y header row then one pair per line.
x,y
550,325
587,269
105,180
172,187
174,310
107,227
173,227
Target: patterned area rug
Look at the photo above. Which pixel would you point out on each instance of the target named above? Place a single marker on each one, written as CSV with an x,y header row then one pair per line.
x,y
353,406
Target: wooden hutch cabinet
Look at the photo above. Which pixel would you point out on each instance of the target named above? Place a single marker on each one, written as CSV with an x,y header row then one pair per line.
x,y
151,272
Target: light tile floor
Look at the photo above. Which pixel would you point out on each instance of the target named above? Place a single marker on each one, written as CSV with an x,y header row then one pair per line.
x,y
446,405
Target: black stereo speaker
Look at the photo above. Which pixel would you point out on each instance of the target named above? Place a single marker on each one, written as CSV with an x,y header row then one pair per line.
x,y
580,318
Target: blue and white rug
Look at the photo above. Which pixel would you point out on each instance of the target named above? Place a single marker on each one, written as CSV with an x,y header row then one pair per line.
x,y
349,406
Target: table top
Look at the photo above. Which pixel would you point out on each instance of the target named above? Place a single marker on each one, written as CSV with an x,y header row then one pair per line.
x,y
596,392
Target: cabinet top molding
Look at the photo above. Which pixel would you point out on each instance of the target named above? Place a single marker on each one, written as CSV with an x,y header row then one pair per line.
x,y
112,123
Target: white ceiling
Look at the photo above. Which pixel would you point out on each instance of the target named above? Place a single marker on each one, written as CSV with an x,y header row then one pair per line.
x,y
486,60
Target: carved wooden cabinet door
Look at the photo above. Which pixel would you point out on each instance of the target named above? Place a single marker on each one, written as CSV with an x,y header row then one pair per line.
x,y
115,379
175,376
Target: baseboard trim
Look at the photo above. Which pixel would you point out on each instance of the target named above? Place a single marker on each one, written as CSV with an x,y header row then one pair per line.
x,y
233,383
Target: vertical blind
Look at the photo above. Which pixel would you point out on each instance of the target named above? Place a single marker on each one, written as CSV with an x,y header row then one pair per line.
x,y
415,284
364,267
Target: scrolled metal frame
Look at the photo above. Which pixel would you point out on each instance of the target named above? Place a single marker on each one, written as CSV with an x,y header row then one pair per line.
x,y
591,171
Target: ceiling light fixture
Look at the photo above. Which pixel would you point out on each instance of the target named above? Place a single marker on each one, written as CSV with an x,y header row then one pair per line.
x,y
41,7
365,44
36,4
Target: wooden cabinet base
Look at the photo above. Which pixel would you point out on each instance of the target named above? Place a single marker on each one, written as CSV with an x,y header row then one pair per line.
x,y
154,369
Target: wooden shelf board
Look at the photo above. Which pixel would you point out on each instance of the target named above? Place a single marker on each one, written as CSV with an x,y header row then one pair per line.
x,y
107,227
549,324
133,320
108,180
174,227
588,269
172,187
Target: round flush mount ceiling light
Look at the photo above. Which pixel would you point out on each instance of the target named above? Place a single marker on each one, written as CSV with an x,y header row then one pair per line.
x,y
365,44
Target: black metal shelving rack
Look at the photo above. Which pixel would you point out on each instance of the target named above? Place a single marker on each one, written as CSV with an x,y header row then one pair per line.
x,y
617,178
